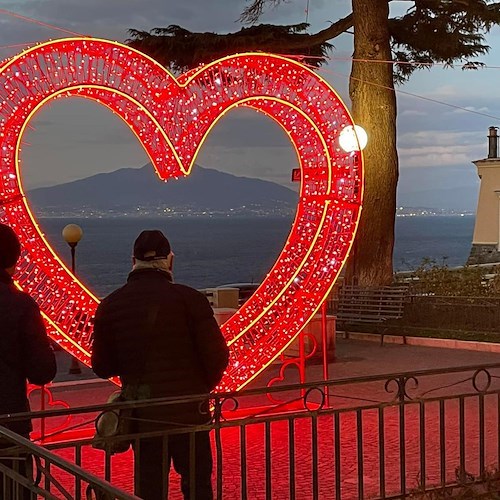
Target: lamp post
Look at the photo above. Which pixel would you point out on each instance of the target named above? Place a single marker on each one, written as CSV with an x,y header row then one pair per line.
x,y
72,234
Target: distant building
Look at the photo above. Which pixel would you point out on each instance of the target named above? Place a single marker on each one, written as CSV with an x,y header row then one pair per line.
x,y
486,240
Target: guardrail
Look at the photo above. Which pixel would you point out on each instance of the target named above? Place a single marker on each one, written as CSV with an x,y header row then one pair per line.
x,y
384,436
20,458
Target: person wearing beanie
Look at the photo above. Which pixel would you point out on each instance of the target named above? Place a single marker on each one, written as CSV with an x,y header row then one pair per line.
x,y
162,340
25,350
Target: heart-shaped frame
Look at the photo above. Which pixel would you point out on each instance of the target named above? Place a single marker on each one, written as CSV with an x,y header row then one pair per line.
x,y
171,118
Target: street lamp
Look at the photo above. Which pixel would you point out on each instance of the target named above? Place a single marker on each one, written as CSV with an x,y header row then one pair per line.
x,y
72,234
353,138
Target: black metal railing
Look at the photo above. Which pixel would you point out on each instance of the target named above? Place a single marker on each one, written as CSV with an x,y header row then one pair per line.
x,y
28,471
385,436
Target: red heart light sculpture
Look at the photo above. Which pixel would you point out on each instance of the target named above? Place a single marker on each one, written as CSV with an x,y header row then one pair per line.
x,y
171,118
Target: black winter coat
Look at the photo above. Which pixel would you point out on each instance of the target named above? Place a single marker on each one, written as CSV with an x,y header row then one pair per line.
x,y
184,353
25,351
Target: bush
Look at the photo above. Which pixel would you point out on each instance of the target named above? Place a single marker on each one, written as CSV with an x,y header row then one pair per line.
x,y
433,279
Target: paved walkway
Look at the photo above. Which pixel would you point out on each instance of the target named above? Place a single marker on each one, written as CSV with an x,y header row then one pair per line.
x,y
354,359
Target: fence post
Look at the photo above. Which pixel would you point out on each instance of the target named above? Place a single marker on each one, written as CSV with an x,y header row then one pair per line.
x,y
324,349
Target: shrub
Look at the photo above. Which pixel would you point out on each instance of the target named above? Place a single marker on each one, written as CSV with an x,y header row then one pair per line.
x,y
433,279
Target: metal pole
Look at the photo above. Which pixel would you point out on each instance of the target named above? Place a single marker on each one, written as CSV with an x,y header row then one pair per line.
x,y
324,345
74,368
73,253
302,361
42,420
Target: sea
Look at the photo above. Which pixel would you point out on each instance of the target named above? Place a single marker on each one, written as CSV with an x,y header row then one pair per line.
x,y
210,252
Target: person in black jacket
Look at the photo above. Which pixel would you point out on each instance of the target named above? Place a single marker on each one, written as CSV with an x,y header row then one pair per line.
x,y
162,337
25,350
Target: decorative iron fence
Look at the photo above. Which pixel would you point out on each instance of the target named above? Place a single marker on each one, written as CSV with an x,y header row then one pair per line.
x,y
387,437
28,471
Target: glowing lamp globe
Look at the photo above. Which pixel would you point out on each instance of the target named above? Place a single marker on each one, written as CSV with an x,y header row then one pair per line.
x,y
353,138
72,233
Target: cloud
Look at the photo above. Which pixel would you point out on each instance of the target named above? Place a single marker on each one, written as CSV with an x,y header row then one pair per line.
x,y
73,141
439,138
466,109
115,17
444,92
271,163
439,149
247,128
412,112
433,157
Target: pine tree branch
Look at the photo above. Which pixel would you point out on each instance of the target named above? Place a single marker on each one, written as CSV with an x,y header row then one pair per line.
x,y
180,49
334,30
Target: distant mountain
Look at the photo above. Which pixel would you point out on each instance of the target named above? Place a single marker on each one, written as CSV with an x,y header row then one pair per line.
x,y
129,188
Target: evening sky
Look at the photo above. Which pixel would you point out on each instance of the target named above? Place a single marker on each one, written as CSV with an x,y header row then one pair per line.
x,y
74,138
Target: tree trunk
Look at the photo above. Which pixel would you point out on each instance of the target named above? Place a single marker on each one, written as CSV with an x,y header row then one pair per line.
x,y
374,108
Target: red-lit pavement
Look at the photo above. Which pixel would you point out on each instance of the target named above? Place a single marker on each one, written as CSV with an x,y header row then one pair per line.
x,y
354,358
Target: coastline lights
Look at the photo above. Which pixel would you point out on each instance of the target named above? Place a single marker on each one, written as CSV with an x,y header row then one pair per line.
x,y
171,118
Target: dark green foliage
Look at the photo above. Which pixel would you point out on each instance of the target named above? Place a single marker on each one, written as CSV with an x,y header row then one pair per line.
x,y
179,49
431,31
441,31
440,280
433,279
252,13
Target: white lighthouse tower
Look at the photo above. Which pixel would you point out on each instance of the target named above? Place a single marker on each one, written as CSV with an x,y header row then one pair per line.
x,y
486,240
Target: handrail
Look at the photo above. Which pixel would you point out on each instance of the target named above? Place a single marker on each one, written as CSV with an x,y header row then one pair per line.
x,y
422,421
247,392
73,469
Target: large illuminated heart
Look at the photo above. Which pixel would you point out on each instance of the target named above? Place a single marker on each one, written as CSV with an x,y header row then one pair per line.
x,y
171,118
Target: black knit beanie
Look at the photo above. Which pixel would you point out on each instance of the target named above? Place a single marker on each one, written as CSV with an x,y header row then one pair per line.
x,y
10,248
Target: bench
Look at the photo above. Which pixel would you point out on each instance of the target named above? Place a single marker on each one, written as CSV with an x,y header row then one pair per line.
x,y
358,305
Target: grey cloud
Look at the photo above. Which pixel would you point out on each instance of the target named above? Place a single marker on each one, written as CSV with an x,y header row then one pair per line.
x,y
45,123
413,112
73,140
245,128
109,138
273,163
19,32
117,16
113,18
439,138
443,117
